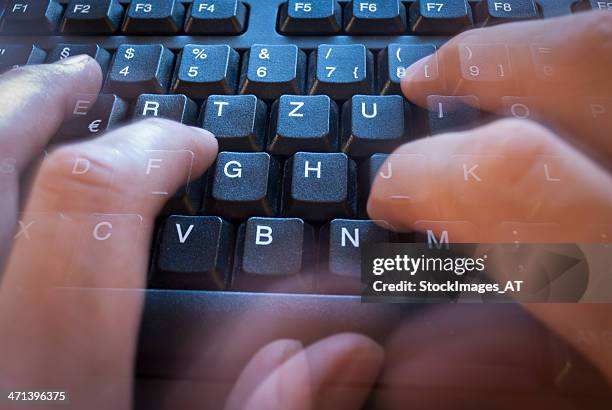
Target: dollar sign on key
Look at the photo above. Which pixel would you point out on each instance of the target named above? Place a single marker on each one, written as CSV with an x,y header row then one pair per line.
x,y
129,53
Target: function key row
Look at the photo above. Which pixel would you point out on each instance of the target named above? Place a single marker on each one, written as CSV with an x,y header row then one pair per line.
x,y
220,17
371,17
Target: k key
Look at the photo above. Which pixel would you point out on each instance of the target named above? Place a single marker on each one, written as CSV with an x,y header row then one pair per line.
x,y
92,17
216,17
375,17
140,69
31,16
154,16
18,55
63,51
303,123
178,108
440,16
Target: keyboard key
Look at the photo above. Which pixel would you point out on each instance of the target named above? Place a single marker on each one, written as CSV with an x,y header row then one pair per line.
x,y
489,12
599,4
368,170
189,199
273,253
12,56
31,16
92,17
273,70
245,184
238,121
194,252
440,16
341,71
396,58
92,115
173,107
216,17
206,70
140,69
154,16
303,123
450,113
375,17
312,17
374,124
485,63
62,51
320,186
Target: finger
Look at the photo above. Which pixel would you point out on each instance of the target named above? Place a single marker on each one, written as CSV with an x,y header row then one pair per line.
x,y
336,372
92,206
492,179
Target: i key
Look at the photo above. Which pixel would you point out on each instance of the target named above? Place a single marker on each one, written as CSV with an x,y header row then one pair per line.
x,y
245,184
216,17
374,124
140,69
238,121
273,70
312,17
320,186
303,123
12,56
440,16
92,17
206,70
341,71
63,51
194,252
173,107
395,59
154,16
31,16
375,17
452,113
489,12
274,254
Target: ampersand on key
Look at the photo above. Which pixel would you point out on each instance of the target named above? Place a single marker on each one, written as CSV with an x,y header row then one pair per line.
x,y
264,54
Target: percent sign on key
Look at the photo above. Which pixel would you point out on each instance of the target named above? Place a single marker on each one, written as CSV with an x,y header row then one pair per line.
x,y
199,53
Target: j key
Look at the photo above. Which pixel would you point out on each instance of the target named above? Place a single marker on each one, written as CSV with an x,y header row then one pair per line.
x,y
320,186
238,121
31,16
374,124
92,116
245,184
17,55
62,51
446,113
440,16
154,16
273,70
312,17
194,253
274,254
140,69
396,58
92,17
341,71
206,70
489,12
216,17
368,170
173,107
375,17
303,123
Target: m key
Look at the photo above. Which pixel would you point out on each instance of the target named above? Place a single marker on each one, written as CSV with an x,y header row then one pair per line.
x,y
140,69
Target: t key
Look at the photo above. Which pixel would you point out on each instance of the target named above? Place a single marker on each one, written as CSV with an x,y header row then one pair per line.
x,y
341,71
216,17
273,70
320,186
154,16
31,16
245,184
17,55
238,121
173,107
396,58
440,16
375,17
63,51
303,123
140,69
92,16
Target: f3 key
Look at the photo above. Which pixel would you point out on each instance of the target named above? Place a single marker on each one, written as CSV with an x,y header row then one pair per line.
x,y
154,16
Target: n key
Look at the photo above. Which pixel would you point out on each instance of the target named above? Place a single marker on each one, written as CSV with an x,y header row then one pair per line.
x,y
154,16
140,69
375,17
341,71
320,186
63,51
92,17
273,70
178,108
12,56
440,16
303,123
31,16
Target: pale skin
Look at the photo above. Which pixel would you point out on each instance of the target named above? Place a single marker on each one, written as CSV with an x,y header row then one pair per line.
x,y
94,345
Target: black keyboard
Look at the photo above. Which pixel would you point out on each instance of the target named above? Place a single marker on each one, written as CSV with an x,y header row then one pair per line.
x,y
303,96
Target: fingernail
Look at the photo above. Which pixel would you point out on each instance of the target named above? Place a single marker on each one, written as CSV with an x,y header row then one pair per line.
x,y
291,348
76,60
